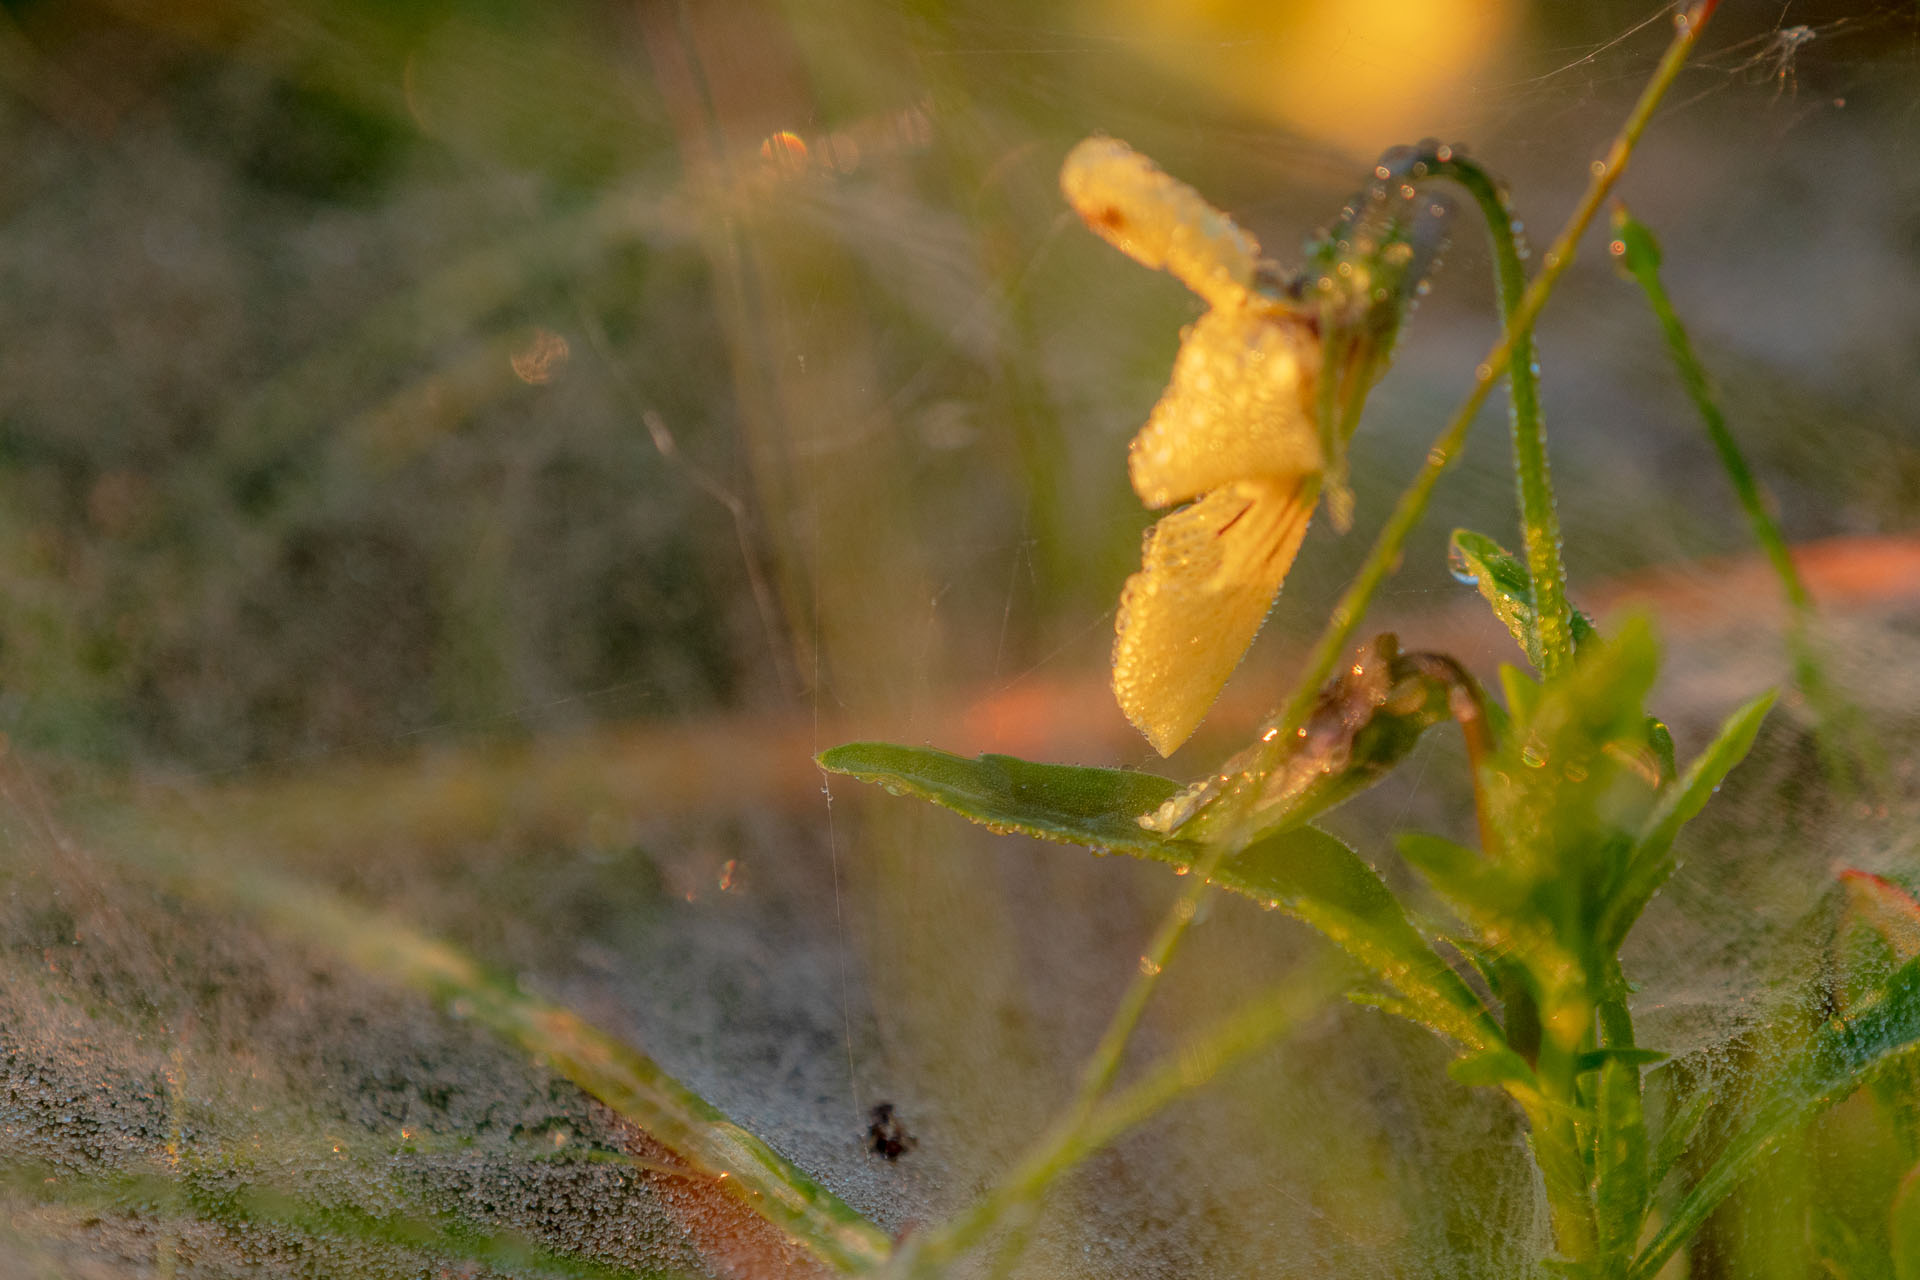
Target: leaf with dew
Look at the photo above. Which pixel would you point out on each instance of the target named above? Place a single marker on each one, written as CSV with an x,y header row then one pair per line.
x,y
1842,1057
1301,870
1068,804
1503,582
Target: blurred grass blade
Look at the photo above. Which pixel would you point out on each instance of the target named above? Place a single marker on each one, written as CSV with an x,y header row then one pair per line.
x,y
1842,1057
1071,1141
1651,860
1639,255
617,1074
1302,871
1677,1135
1503,581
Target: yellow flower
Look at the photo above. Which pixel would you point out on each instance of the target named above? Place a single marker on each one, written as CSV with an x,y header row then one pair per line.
x,y
1235,436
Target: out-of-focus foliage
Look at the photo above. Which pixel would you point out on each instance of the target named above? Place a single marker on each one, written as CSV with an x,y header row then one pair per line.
x,y
647,384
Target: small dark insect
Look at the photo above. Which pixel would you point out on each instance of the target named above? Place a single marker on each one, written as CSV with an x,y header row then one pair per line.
x,y
887,1136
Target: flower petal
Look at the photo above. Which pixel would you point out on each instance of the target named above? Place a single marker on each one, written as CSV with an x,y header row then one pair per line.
x,y
1208,578
1240,404
1158,220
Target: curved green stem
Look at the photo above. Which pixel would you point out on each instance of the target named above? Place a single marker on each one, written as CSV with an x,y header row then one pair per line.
x,y
1539,522
1233,816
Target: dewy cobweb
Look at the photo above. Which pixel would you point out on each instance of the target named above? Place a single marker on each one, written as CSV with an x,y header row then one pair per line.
x,y
285,541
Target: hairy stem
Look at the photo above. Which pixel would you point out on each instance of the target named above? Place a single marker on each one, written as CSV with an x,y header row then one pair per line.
x,y
1539,522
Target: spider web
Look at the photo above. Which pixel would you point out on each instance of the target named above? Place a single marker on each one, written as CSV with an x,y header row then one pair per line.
x,y
300,566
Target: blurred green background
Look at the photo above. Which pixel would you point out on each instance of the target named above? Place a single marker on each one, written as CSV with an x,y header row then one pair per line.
x,y
471,455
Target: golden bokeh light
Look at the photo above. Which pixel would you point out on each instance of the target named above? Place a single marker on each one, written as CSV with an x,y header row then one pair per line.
x,y
1361,75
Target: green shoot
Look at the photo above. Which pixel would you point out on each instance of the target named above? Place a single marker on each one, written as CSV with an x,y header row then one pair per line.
x,y
1639,257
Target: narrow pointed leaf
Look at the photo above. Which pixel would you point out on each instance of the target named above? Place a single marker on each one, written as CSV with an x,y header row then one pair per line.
x,y
1302,870
1677,1135
1070,804
1595,1059
1651,860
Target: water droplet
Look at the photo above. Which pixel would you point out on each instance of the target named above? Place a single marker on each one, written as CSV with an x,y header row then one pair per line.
x,y
1531,757
1148,969
1461,568
1598,168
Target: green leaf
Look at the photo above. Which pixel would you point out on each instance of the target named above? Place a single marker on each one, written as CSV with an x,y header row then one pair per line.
x,y
1497,1068
1559,803
1594,1059
1651,861
1841,1058
1660,738
1503,581
1316,878
1521,691
1460,875
1621,1186
1302,870
1070,804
